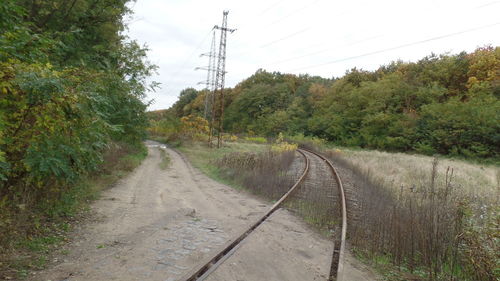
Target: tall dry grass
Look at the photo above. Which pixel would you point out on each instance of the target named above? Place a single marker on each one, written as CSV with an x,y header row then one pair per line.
x,y
399,169
428,219
265,173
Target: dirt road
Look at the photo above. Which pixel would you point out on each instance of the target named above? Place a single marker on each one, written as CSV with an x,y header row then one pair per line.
x,y
158,224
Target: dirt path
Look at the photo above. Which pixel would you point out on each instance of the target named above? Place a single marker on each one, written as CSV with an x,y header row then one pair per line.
x,y
158,224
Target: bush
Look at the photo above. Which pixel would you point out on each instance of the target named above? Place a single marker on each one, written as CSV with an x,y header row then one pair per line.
x,y
256,139
311,141
69,88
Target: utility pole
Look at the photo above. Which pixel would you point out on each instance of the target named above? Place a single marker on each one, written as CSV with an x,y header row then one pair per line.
x,y
220,77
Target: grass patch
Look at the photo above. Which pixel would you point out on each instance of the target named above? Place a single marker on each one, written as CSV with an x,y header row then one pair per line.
x,y
256,139
35,234
40,244
165,159
383,265
204,158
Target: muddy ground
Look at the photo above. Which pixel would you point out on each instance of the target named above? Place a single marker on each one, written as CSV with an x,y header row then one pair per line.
x,y
159,224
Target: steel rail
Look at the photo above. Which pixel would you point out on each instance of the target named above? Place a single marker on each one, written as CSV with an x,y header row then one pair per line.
x,y
339,270
211,263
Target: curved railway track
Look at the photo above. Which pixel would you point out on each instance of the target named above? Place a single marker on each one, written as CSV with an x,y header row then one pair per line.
x,y
336,272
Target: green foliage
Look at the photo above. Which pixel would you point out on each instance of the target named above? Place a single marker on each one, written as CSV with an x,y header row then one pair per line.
x,y
71,84
310,141
270,103
256,139
166,129
187,96
446,104
458,128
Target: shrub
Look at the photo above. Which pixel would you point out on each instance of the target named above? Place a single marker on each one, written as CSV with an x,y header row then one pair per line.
x,y
256,139
311,141
281,145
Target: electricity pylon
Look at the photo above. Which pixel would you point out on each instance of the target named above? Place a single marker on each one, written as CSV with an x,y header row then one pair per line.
x,y
219,80
210,81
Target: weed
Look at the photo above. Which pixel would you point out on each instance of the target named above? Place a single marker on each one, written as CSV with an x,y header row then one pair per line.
x,y
165,159
310,141
22,274
256,139
203,158
429,228
262,173
35,231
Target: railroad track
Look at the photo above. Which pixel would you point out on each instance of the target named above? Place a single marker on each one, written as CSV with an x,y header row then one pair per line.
x,y
210,264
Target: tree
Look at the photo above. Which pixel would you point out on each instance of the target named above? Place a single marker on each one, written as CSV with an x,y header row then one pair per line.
x,y
71,85
185,98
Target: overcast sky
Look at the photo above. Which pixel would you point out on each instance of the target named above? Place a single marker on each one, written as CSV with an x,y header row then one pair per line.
x,y
318,37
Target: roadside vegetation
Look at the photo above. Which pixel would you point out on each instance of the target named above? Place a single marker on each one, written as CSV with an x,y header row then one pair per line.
x,y
265,174
50,224
260,168
72,117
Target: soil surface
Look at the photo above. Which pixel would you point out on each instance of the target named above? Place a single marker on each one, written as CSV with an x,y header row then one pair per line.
x,y
159,224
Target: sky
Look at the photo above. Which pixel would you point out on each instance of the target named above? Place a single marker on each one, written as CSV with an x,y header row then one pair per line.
x,y
315,37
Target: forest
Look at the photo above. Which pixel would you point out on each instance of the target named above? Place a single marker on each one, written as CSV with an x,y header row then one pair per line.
x,y
444,104
72,87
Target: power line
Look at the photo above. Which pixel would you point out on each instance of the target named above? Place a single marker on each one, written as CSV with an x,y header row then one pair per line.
x,y
487,4
293,34
183,65
324,50
273,42
272,6
280,19
398,47
264,11
294,12
284,38
249,49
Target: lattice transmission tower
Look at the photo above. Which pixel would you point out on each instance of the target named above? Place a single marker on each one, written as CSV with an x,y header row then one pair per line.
x,y
210,81
218,88
214,83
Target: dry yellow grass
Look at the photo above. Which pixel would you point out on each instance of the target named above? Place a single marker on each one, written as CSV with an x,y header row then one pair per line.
x,y
398,170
